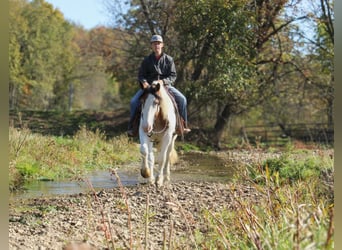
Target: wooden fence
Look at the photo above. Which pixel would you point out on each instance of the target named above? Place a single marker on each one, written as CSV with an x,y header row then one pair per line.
x,y
272,133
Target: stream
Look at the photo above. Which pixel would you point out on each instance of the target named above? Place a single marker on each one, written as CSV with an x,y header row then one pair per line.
x,y
191,167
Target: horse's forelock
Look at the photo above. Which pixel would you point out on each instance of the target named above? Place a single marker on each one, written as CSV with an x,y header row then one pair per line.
x,y
152,90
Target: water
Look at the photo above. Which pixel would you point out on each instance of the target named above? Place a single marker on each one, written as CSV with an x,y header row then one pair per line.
x,y
192,167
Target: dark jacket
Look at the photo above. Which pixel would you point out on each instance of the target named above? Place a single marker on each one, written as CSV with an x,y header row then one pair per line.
x,y
150,69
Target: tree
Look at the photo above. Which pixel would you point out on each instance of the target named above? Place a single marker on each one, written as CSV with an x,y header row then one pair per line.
x,y
99,64
134,29
40,53
18,30
324,55
226,45
231,56
304,86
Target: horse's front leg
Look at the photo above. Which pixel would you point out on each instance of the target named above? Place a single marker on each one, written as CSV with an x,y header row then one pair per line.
x,y
151,163
147,155
163,160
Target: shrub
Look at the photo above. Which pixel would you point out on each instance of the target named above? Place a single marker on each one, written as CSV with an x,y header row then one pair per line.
x,y
290,167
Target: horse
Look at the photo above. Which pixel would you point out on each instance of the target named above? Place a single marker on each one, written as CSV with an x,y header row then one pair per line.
x,y
157,124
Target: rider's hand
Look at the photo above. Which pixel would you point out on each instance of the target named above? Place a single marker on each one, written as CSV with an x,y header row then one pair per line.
x,y
161,82
145,85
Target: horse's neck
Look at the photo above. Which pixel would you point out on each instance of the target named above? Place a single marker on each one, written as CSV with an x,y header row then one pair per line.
x,y
166,104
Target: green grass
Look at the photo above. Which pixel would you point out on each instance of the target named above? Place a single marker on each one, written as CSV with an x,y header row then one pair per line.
x,y
291,166
34,156
186,147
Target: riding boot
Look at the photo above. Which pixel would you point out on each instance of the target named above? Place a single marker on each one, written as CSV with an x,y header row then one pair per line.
x,y
186,129
182,127
130,130
133,124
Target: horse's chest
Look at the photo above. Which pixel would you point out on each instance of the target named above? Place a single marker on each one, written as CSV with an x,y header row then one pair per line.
x,y
159,124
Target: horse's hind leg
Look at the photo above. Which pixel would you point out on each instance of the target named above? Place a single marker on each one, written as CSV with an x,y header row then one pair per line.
x,y
167,173
173,157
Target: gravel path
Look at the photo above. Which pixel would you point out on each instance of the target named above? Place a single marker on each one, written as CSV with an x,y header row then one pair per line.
x,y
51,223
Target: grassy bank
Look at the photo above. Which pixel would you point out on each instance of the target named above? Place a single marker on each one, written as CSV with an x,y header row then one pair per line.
x,y
37,157
294,210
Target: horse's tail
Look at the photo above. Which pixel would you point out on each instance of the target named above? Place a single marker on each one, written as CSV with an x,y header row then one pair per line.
x,y
173,154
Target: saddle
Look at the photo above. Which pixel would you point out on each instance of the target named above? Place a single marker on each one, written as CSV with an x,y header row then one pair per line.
x,y
180,124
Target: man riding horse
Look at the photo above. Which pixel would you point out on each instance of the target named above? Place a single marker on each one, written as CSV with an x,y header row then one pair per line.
x,y
158,66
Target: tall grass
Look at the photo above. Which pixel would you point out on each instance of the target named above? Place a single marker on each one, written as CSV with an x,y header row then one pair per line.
x,y
34,156
281,209
294,208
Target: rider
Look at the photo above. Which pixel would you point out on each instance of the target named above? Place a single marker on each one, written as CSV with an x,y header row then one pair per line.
x,y
158,66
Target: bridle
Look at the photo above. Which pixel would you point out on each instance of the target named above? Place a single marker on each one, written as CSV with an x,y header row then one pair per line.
x,y
157,113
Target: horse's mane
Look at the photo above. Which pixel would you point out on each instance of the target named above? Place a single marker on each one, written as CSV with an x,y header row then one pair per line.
x,y
166,103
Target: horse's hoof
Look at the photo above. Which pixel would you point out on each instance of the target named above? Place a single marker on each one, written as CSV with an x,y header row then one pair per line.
x,y
145,172
159,182
152,181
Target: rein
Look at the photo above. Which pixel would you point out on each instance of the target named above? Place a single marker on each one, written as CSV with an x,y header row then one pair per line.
x,y
160,131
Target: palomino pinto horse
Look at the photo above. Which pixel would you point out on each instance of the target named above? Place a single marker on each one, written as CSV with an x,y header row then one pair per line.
x,y
157,124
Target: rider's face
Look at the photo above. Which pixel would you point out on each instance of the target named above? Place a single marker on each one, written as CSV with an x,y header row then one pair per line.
x,y
157,47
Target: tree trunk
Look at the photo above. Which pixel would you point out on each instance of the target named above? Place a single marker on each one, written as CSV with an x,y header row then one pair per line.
x,y
12,97
330,113
220,125
331,103
202,59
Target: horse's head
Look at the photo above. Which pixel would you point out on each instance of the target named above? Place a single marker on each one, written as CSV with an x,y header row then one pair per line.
x,y
150,107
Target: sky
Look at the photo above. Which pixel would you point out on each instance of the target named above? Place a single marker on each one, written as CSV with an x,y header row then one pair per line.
x,y
88,13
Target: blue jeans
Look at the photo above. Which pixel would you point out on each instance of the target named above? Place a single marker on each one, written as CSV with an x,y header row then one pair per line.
x,y
179,98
